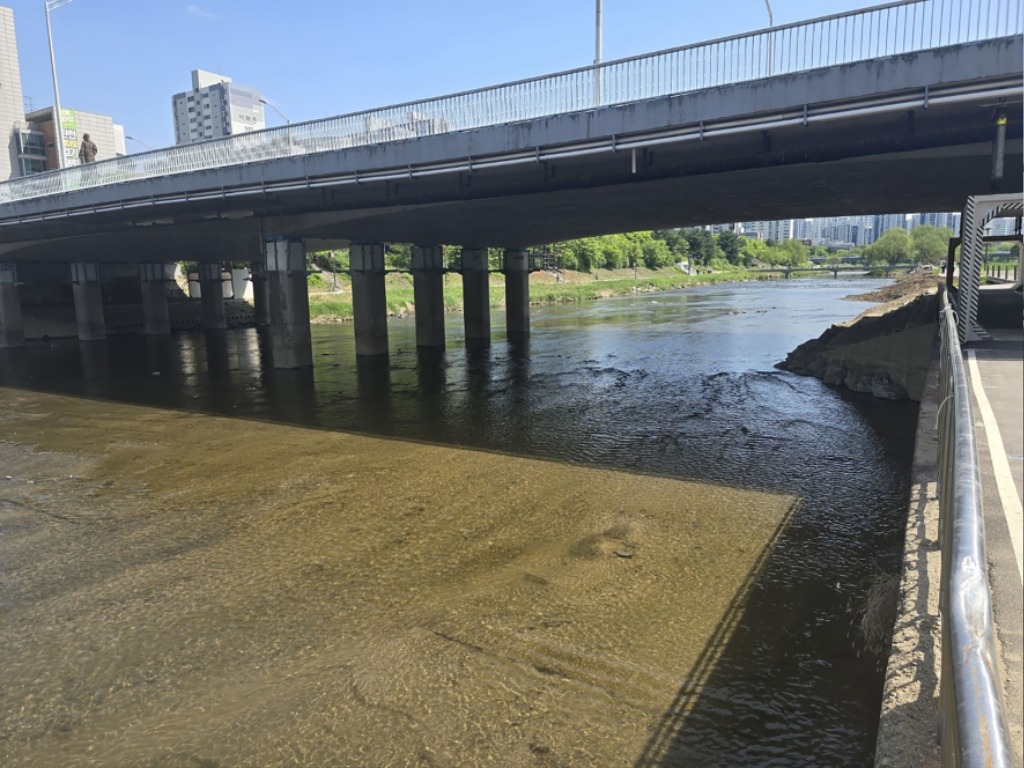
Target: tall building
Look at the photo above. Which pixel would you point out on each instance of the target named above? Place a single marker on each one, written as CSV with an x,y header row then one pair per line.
x,y
776,231
12,106
1005,227
215,107
947,220
714,229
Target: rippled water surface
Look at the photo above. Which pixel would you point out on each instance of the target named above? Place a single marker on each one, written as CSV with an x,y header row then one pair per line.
x,y
628,541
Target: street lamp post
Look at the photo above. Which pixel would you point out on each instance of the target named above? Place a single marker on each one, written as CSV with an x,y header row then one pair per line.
x,y
58,123
771,23
140,141
279,112
597,53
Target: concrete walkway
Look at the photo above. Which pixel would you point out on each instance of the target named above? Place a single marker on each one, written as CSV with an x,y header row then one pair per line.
x,y
996,372
908,726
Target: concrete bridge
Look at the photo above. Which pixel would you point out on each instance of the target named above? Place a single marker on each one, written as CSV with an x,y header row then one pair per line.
x,y
895,107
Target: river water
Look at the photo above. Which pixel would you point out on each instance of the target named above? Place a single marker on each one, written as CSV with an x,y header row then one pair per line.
x,y
628,541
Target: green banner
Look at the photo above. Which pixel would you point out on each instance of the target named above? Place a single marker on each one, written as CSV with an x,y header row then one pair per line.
x,y
69,136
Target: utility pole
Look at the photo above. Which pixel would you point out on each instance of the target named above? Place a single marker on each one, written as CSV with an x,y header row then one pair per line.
x,y
58,122
597,53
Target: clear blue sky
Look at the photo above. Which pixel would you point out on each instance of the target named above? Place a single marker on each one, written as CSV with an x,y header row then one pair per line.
x,y
317,58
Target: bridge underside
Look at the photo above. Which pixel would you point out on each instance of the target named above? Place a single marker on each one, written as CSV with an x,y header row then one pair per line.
x,y
913,133
680,194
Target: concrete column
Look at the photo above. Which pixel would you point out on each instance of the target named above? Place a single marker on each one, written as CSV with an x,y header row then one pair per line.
x,y
476,294
290,339
12,325
155,313
260,292
369,299
428,295
212,295
85,286
516,266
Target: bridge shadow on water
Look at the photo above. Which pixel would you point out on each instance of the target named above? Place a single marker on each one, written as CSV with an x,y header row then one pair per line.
x,y
762,691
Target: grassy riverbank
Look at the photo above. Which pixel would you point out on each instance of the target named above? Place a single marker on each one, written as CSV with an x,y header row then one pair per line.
x,y
545,288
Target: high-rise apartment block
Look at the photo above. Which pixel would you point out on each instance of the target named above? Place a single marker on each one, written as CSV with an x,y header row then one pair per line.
x,y
215,107
776,231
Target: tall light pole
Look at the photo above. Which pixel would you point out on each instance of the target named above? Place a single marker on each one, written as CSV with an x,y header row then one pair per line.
x,y
771,23
598,45
58,123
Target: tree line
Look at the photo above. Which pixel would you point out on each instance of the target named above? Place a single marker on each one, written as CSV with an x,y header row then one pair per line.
x,y
702,250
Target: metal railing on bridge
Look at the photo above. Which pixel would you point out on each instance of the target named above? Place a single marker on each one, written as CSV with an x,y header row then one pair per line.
x,y
974,729
883,30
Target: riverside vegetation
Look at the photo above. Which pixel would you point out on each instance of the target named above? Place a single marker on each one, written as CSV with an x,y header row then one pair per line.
x,y
330,300
616,265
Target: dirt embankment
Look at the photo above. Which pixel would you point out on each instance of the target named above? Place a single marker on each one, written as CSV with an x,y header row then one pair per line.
x,y
885,350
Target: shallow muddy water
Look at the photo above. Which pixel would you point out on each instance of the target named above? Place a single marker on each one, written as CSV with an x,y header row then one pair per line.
x,y
629,542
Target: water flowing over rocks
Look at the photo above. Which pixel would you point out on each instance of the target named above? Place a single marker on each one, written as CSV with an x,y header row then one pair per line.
x,y
884,351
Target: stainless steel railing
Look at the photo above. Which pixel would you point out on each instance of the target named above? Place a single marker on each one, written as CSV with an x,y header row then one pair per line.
x,y
884,30
974,731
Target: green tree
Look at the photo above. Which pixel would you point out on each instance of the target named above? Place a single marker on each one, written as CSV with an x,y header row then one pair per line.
x,y
398,256
330,261
893,247
730,243
451,255
701,246
790,253
930,243
753,250
675,241
656,253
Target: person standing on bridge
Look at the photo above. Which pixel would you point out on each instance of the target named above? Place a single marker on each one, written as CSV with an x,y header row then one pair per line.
x,y
87,151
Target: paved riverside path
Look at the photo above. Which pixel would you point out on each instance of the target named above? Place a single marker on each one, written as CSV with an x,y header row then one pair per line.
x,y
996,373
910,707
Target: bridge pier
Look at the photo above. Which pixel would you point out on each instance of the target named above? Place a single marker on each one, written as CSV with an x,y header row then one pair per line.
x,y
369,298
211,290
290,339
476,294
516,265
85,287
428,295
155,313
12,325
260,291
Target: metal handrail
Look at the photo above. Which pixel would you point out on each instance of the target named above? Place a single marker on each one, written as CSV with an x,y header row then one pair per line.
x,y
885,30
974,731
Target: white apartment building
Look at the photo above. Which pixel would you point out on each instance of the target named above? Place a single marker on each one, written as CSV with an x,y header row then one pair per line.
x,y
947,220
215,107
1007,227
776,231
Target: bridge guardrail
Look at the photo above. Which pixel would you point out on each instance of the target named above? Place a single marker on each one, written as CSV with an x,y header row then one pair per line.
x,y
974,730
883,30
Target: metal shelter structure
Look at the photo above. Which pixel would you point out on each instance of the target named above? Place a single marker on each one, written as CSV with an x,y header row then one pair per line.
x,y
979,211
